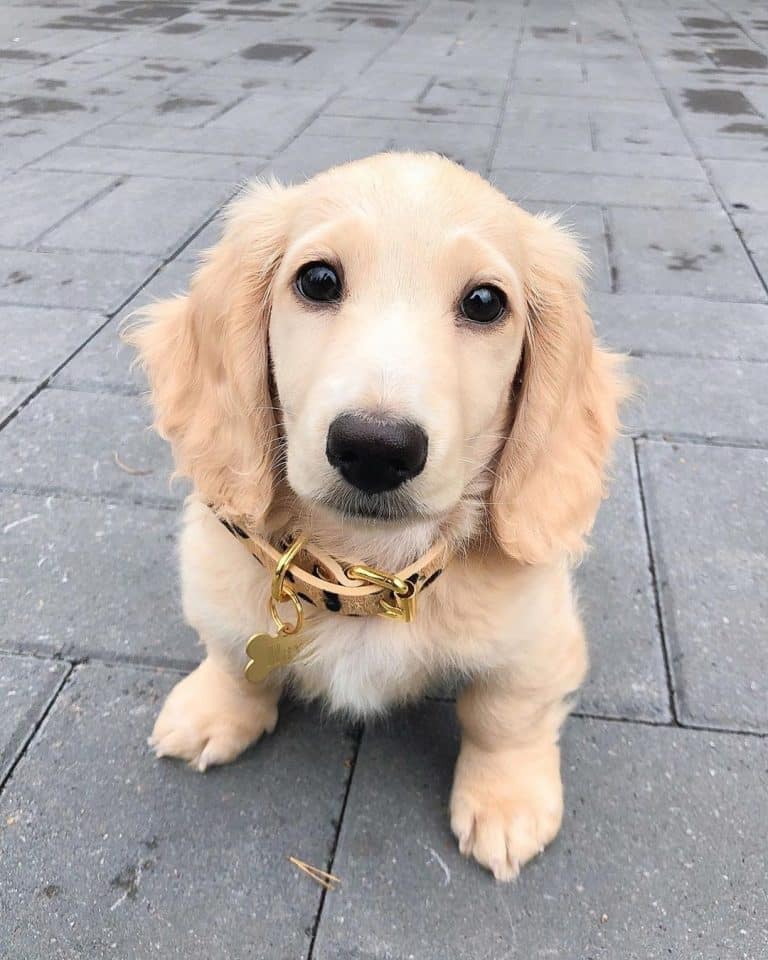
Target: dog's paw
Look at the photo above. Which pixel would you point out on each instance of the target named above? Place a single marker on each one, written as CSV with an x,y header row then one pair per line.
x,y
506,807
210,717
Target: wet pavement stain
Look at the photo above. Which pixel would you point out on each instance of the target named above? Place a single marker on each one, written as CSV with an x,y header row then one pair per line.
x,y
17,277
165,67
687,262
705,23
179,104
543,33
28,106
718,101
761,129
121,15
179,28
13,54
734,57
291,52
686,56
49,84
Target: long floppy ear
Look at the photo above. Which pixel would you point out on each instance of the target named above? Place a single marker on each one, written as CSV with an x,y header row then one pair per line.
x,y
206,355
551,471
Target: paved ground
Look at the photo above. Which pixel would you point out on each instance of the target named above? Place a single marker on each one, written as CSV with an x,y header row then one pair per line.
x,y
126,125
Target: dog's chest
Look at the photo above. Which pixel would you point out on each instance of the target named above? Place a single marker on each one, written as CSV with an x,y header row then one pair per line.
x,y
361,666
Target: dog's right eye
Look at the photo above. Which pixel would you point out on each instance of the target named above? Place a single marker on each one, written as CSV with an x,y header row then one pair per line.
x,y
319,282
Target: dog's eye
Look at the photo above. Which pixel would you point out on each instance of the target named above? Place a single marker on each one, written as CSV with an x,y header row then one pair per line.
x,y
483,304
319,282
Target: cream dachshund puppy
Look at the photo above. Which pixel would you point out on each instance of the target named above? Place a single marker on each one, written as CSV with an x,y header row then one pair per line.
x,y
386,390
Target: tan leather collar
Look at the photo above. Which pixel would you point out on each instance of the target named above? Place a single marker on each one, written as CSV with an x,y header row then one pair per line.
x,y
321,581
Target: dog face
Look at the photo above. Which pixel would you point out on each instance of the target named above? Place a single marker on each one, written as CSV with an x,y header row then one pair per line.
x,y
392,338
396,328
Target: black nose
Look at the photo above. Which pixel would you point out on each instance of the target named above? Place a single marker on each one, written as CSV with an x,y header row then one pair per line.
x,y
375,454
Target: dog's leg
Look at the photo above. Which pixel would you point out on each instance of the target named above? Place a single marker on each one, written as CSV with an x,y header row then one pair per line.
x,y
212,715
507,798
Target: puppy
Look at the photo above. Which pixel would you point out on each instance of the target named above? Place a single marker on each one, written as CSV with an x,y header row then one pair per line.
x,y
394,361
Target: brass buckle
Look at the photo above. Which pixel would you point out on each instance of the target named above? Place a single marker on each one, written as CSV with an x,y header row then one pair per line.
x,y
403,592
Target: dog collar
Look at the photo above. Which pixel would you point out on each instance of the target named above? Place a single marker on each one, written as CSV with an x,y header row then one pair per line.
x,y
303,574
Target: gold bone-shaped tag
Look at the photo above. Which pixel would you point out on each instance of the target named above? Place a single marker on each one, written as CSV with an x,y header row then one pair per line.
x,y
267,653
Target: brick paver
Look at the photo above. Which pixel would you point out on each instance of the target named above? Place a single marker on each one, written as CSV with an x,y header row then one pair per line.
x,y
125,127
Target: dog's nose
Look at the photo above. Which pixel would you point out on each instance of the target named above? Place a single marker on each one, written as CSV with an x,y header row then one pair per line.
x,y
376,454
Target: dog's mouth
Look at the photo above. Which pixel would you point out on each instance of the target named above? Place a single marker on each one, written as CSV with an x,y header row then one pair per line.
x,y
390,507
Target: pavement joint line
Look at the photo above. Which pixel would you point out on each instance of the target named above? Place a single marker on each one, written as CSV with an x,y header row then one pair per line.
x,y
32,734
659,624
357,735
428,121
107,499
508,87
683,439
74,657
608,246
127,174
642,177
640,353
684,129
112,389
117,181
637,721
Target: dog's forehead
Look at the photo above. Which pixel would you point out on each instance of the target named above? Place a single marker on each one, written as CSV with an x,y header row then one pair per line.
x,y
424,189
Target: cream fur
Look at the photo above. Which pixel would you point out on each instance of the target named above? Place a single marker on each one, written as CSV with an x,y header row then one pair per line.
x,y
520,420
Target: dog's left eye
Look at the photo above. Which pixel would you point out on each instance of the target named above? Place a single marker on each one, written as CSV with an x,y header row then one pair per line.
x,y
484,304
319,282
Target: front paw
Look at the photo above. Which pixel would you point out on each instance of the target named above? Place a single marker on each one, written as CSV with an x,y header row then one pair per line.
x,y
211,716
506,806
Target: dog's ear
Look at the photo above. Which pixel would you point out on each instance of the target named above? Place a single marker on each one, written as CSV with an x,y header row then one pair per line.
x,y
550,476
206,355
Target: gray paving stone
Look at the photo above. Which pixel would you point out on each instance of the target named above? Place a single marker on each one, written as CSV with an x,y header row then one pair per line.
x,y
50,550
707,510
549,128
744,183
191,103
266,114
112,852
686,326
152,163
71,441
470,146
106,363
649,812
616,130
173,208
715,399
476,89
308,155
659,251
602,189
32,215
627,677
83,280
27,686
36,340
